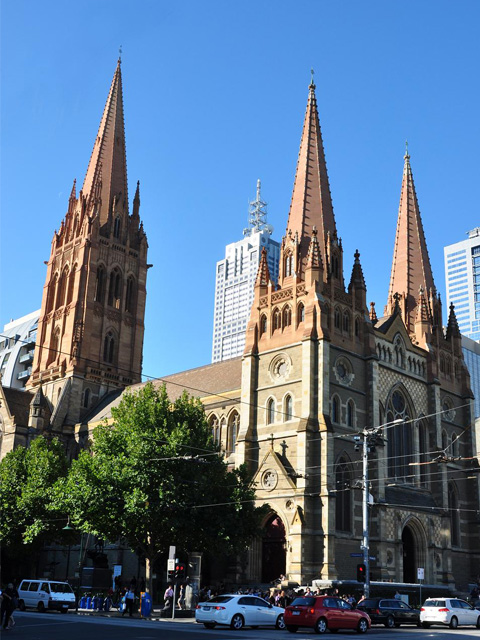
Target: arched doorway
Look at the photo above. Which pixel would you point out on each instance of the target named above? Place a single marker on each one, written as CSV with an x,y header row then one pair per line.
x,y
409,556
273,549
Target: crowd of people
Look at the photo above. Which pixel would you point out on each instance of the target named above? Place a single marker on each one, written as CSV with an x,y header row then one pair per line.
x,y
9,598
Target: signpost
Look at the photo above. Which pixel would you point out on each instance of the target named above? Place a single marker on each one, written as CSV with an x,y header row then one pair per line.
x,y
420,577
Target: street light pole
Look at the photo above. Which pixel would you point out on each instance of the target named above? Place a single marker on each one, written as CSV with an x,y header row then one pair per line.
x,y
370,438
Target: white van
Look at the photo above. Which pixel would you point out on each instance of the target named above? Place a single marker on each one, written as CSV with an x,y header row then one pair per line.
x,y
45,594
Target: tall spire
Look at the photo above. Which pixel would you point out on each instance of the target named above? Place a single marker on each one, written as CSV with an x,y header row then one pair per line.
x,y
311,204
411,270
109,154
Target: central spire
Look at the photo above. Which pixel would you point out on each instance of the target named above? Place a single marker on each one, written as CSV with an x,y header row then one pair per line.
x,y
311,204
107,169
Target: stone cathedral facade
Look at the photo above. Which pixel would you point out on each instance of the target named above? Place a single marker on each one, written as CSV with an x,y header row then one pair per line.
x,y
320,366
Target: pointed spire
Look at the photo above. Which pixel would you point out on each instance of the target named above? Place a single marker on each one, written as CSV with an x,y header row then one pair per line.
x,y
73,192
108,155
453,330
411,264
136,202
423,314
311,203
373,313
357,279
263,273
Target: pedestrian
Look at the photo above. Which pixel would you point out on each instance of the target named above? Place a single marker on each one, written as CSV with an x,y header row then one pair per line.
x,y
397,595
129,602
9,601
168,597
181,597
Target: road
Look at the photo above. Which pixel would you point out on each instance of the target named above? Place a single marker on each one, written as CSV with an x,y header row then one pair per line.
x,y
55,626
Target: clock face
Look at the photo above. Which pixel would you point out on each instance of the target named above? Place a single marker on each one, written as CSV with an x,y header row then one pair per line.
x,y
269,479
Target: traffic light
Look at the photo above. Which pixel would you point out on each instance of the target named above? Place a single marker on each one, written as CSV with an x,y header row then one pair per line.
x,y
361,572
171,575
180,571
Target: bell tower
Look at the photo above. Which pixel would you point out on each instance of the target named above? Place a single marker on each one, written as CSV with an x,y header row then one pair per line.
x,y
90,332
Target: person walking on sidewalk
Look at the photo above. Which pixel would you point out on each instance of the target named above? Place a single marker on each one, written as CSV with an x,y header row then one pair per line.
x,y
129,602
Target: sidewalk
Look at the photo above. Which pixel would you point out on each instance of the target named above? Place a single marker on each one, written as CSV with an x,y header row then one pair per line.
x,y
180,615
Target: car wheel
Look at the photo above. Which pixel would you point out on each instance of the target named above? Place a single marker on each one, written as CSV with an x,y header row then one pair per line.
x,y
21,605
41,607
390,622
280,623
362,626
478,622
291,628
453,623
426,625
209,625
321,626
237,622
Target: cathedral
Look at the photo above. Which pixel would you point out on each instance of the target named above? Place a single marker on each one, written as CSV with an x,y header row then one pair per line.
x,y
320,367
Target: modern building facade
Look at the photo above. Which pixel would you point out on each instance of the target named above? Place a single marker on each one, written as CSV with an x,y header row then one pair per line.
x,y
235,279
17,347
471,354
462,277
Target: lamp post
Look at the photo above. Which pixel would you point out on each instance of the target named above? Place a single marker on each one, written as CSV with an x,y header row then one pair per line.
x,y
370,439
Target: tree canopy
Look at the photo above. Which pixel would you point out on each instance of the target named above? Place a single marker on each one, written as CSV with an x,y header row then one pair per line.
x,y
154,477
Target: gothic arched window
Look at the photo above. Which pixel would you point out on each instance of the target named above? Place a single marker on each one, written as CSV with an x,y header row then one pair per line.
x,y
287,317
288,265
288,412
62,287
399,437
51,293
86,398
109,347
233,427
300,313
335,409
100,285
263,324
115,289
117,227
271,411
343,506
337,319
277,320
350,413
346,322
55,345
71,282
130,295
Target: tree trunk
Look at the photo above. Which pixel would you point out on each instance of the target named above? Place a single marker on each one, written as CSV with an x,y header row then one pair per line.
x,y
148,575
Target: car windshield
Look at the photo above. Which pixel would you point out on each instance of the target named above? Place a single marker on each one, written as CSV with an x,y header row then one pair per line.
x,y
303,602
220,599
434,603
60,587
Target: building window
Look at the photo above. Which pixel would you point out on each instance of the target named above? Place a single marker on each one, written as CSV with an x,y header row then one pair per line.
x,y
55,348
271,411
343,506
287,317
301,313
288,408
100,285
116,227
336,319
399,437
357,327
130,295
109,347
277,323
71,282
233,428
335,410
115,289
346,322
350,413
51,294
62,287
288,265
86,398
263,325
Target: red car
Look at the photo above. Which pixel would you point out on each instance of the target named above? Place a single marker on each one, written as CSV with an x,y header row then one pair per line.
x,y
324,613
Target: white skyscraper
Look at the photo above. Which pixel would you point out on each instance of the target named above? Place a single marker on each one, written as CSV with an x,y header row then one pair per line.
x,y
462,277
235,278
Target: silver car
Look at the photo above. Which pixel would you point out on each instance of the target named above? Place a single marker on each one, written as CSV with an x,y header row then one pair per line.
x,y
448,611
239,610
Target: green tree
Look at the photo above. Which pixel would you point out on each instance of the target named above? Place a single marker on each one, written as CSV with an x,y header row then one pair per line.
x,y
27,480
154,477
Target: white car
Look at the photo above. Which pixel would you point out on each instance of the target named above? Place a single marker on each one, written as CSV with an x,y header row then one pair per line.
x,y
237,611
451,611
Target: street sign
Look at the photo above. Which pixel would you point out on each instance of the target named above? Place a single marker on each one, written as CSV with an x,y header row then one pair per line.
x,y
372,557
420,573
171,551
171,564
356,555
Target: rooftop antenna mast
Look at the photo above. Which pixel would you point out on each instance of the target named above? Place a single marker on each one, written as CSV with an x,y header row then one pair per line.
x,y
257,215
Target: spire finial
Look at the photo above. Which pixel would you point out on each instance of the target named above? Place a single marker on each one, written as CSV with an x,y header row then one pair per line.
x,y
406,156
120,53
312,83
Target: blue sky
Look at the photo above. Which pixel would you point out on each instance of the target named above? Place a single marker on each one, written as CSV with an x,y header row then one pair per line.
x,y
215,95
